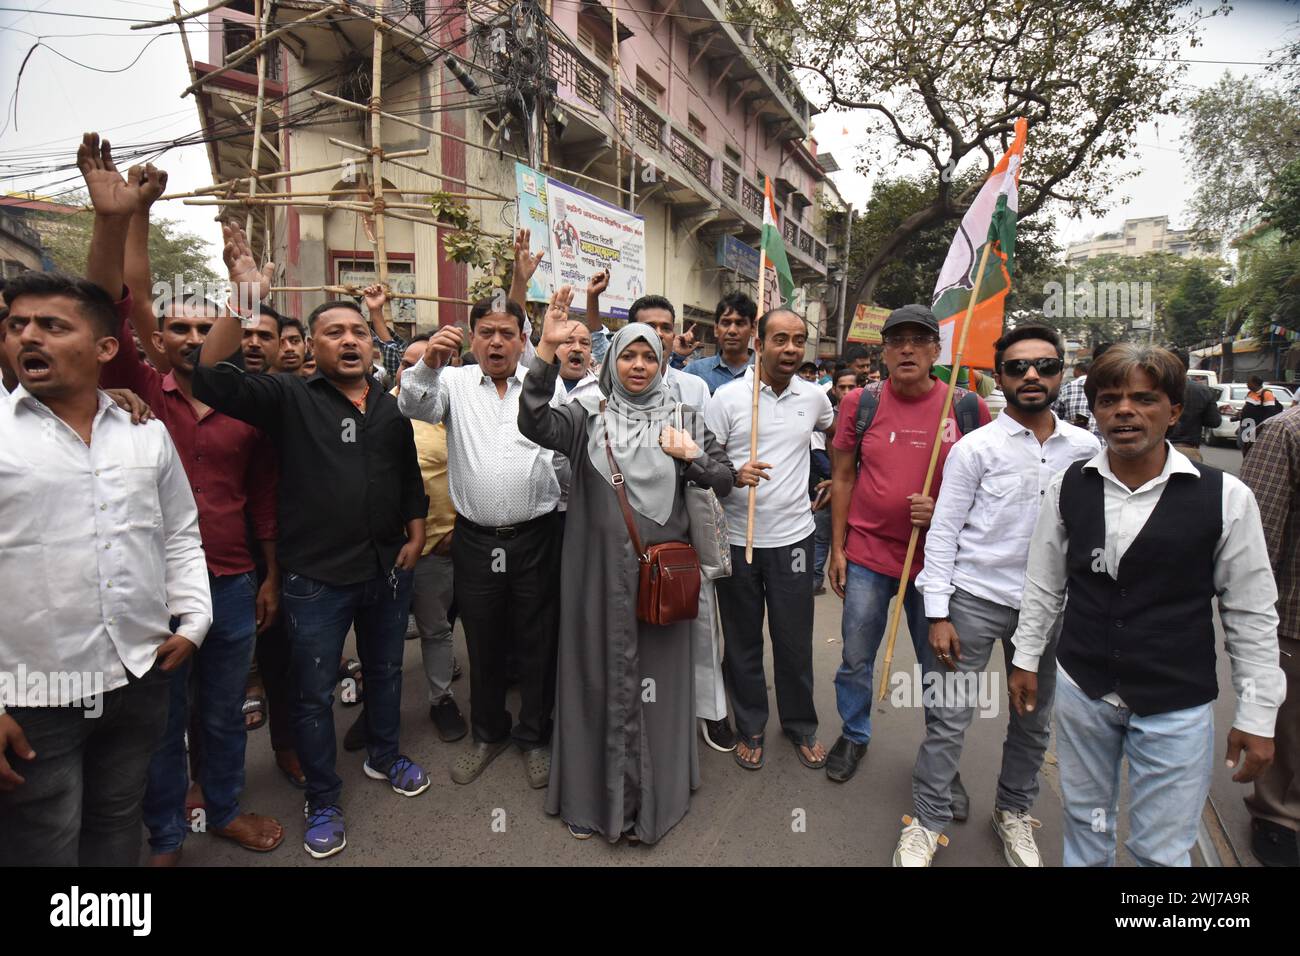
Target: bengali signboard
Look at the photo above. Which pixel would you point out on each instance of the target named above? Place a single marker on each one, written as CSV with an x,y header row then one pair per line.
x,y
738,257
530,192
867,323
588,234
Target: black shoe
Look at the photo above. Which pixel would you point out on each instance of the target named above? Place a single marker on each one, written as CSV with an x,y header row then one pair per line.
x,y
1273,844
819,590
447,720
412,629
456,672
959,800
355,738
719,735
842,762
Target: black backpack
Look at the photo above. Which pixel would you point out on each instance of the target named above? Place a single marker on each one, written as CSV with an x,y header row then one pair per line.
x,y
965,408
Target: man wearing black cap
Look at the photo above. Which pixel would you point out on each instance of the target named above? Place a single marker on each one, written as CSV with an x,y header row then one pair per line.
x,y
878,471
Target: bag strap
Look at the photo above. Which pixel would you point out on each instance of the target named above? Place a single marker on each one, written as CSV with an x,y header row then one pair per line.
x,y
616,477
867,404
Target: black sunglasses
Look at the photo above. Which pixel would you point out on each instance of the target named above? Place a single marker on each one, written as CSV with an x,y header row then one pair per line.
x,y
1046,367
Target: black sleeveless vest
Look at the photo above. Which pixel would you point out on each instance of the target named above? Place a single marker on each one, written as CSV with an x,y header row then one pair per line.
x,y
1149,634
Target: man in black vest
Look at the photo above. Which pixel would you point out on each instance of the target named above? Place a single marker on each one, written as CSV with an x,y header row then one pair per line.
x,y
1141,540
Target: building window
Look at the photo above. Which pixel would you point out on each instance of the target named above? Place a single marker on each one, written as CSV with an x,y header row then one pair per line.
x,y
732,154
695,126
647,88
236,35
593,42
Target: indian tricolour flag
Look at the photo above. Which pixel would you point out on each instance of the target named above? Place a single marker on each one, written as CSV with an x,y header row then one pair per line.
x,y
773,247
991,219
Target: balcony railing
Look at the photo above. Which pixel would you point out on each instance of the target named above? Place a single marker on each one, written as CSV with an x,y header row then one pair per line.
x,y
790,232
819,253
805,243
642,122
730,181
571,72
696,160
751,198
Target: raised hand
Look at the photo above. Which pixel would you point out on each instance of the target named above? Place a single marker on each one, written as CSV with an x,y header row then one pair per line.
x,y
443,345
152,182
374,296
685,343
110,194
242,265
599,283
525,262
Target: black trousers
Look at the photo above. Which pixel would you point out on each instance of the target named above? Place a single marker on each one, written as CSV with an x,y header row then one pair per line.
x,y
507,596
781,579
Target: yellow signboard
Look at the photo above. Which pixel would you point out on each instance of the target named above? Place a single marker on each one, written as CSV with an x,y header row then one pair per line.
x,y
866,325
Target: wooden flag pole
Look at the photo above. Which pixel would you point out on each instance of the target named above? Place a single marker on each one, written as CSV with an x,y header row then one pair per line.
x,y
753,416
958,354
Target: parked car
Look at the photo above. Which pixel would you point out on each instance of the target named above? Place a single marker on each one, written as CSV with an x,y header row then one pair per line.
x,y
996,402
1205,376
1231,398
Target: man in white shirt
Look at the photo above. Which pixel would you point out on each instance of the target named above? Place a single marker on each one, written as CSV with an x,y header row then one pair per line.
x,y
1142,540
99,551
993,483
577,378
781,574
506,547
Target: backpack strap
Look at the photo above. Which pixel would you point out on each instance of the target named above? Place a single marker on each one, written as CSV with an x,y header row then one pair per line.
x,y
967,412
868,402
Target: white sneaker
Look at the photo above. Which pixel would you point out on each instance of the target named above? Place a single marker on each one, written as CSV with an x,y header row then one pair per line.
x,y
1016,830
917,845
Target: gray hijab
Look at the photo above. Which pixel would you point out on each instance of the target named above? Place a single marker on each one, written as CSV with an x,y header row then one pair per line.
x,y
633,423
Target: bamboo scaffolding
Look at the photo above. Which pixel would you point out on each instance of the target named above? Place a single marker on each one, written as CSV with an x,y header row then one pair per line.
x,y
376,165
348,192
180,16
247,51
258,12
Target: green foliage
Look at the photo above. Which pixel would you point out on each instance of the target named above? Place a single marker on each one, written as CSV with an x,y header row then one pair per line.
x,y
172,251
1240,136
1190,314
1282,211
1267,291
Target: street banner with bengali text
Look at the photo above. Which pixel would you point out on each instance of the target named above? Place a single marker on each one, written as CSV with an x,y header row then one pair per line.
x,y
588,234
530,213
867,322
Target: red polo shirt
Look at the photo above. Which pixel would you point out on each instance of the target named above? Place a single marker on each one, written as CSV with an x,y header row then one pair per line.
x,y
231,465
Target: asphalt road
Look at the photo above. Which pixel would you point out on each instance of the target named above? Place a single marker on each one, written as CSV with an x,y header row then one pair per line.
x,y
782,815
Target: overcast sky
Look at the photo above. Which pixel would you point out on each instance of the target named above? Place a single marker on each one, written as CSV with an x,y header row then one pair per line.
x,y
59,99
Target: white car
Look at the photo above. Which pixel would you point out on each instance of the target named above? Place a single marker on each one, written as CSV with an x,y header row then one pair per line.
x,y
996,402
1231,398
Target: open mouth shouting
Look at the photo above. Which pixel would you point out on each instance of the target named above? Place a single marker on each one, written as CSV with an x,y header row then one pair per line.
x,y
1125,432
350,358
576,360
35,365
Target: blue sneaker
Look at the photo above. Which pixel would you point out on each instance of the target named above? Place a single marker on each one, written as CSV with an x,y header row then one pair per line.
x,y
325,833
407,778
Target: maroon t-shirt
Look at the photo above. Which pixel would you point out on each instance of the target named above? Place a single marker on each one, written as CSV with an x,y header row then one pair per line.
x,y
895,455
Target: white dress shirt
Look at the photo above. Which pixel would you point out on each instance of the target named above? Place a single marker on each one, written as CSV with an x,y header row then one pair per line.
x,y
994,482
99,546
782,513
1243,581
496,476
589,384
689,389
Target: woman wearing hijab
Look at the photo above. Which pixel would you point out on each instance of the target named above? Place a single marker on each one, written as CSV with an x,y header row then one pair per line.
x,y
624,757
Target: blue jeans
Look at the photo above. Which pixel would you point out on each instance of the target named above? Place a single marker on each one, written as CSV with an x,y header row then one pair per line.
x,y
867,596
217,673
1170,758
821,545
318,616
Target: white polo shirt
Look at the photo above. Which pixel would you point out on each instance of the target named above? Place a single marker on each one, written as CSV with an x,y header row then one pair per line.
x,y
786,422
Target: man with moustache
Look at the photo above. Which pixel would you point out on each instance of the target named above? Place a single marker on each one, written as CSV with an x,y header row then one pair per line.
x,y
259,339
506,546
1142,540
780,576
975,552
734,320
576,380
875,507
231,469
340,438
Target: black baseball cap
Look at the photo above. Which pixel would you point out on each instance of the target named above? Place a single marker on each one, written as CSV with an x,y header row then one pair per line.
x,y
914,314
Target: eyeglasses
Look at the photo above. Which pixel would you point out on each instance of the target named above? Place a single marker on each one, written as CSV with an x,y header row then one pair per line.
x,y
1046,367
897,340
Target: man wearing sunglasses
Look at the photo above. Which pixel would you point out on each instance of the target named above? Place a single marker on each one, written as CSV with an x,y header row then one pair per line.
x,y
975,555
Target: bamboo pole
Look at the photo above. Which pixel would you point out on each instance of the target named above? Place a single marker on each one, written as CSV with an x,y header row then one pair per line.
x,y
376,165
591,179
355,290
257,128
247,51
618,142
283,174
957,355
753,417
180,17
346,192
403,121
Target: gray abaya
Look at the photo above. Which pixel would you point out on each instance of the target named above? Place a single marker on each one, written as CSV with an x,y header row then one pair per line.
x,y
623,753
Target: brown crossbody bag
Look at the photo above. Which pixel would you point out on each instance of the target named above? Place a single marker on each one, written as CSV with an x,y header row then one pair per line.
x,y
668,590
